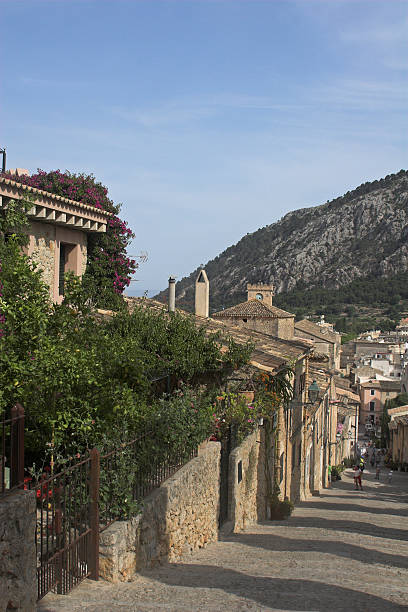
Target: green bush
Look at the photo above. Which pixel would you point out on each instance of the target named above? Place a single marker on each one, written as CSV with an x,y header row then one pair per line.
x,y
281,510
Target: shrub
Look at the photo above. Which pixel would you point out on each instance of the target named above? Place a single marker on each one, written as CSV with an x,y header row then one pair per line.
x,y
281,510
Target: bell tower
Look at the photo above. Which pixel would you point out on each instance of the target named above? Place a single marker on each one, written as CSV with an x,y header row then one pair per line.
x,y
261,292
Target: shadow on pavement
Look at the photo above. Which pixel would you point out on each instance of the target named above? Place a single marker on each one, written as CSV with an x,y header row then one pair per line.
x,y
332,547
284,594
360,527
326,505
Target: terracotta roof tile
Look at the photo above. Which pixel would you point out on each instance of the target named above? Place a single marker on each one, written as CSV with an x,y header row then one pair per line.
x,y
316,330
253,308
270,352
53,196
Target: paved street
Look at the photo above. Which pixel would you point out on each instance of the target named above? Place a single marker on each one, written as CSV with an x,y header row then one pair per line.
x,y
344,551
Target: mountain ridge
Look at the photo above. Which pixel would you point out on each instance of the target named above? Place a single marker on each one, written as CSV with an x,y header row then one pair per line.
x,y
363,233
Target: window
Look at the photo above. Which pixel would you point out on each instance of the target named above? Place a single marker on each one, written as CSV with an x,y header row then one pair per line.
x,y
293,456
281,465
62,261
244,320
259,296
372,391
300,453
372,406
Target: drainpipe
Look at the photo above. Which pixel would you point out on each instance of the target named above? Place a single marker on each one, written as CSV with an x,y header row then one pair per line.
x,y
172,294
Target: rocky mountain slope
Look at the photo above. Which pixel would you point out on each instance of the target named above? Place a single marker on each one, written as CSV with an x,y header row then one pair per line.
x,y
361,234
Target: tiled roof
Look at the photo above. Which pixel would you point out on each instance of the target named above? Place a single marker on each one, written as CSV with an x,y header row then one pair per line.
x,y
398,410
383,385
253,308
401,420
270,352
53,196
315,330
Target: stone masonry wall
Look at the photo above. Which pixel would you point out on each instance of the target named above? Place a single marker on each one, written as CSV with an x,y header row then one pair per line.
x,y
42,249
180,517
18,579
247,497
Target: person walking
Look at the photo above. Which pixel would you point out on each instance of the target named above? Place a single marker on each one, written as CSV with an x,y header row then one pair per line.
x,y
377,472
357,478
329,476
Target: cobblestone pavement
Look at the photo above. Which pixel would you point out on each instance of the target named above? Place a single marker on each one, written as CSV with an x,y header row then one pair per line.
x,y
343,551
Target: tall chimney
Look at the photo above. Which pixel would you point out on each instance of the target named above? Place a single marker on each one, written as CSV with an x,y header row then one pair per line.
x,y
172,294
202,295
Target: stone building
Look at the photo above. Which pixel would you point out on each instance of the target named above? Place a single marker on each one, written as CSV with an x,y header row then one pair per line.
x,y
399,434
58,232
259,314
326,341
373,395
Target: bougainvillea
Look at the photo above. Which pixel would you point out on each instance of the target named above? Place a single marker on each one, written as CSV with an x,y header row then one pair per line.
x,y
109,269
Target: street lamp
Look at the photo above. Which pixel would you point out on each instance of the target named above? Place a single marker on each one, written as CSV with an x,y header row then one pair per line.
x,y
313,392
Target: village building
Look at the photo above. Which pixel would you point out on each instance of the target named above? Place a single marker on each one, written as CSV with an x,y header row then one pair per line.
x,y
373,395
325,339
58,231
305,442
398,427
259,314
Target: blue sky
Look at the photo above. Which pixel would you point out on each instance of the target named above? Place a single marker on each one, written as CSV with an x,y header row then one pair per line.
x,y
207,118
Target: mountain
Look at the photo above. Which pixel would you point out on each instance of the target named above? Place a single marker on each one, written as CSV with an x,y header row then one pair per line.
x,y
361,235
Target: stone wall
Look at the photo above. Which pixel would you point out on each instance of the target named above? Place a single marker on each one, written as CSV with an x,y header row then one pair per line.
x,y
281,328
178,518
18,579
44,248
247,485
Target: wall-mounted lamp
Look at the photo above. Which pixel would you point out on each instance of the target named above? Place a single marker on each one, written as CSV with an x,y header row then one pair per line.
x,y
313,392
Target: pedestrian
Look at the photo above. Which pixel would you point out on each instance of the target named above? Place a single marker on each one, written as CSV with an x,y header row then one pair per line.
x,y
377,472
357,478
372,460
329,476
389,477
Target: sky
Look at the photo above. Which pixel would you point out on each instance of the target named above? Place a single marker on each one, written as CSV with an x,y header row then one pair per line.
x,y
206,119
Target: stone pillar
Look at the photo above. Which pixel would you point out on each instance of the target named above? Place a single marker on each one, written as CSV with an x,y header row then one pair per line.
x,y
172,294
202,295
18,576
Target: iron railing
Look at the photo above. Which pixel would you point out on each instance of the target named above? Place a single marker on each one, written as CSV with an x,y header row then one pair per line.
x,y
134,469
80,501
12,450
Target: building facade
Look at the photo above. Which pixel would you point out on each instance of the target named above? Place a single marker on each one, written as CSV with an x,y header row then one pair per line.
x,y
58,232
398,427
259,314
373,395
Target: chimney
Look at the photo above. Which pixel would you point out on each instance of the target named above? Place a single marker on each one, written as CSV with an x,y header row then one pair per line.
x,y
172,294
202,295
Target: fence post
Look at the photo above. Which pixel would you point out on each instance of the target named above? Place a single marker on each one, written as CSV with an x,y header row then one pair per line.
x,y
17,446
94,513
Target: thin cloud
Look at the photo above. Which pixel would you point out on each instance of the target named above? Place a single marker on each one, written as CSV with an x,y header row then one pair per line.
x,y
204,107
378,33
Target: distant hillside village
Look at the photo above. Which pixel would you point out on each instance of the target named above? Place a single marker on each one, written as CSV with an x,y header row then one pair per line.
x,y
267,412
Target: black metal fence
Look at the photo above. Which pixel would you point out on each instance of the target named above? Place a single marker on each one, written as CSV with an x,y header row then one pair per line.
x,y
67,526
12,450
133,470
79,502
